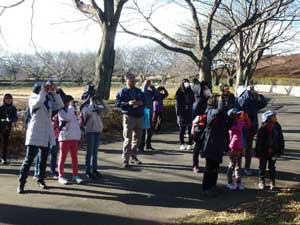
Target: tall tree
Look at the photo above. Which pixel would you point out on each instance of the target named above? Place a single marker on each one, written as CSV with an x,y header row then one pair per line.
x,y
107,16
205,14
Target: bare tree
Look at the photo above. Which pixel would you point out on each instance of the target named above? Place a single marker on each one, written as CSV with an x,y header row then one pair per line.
x,y
241,15
3,8
251,44
107,17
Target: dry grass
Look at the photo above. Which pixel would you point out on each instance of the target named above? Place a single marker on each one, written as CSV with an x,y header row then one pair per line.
x,y
279,209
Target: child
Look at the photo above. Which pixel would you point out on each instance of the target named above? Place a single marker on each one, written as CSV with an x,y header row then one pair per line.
x,y
8,115
214,144
269,146
93,128
235,149
68,138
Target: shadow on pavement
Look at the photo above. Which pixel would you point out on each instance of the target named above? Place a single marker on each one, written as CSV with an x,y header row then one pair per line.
x,y
21,215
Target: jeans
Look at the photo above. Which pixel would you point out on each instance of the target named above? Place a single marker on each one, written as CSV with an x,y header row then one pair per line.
x,y
262,168
53,156
31,153
91,157
210,176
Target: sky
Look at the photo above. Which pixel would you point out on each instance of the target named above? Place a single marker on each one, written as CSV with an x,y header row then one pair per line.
x,y
54,28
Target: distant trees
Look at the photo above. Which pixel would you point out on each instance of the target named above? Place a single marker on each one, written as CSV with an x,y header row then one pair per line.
x,y
48,65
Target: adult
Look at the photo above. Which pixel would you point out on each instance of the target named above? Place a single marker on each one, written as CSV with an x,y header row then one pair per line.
x,y
227,97
8,115
53,108
250,101
184,111
40,133
150,94
214,144
158,108
202,92
131,100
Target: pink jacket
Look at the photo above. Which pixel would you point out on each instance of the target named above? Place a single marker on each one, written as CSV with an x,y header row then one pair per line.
x,y
236,135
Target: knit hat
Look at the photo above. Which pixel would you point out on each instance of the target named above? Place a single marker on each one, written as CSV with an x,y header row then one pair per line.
x,y
266,115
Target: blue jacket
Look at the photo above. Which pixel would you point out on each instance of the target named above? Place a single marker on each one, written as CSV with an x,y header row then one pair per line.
x,y
215,135
127,94
248,103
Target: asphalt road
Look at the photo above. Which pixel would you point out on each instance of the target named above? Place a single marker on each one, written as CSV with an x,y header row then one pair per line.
x,y
159,191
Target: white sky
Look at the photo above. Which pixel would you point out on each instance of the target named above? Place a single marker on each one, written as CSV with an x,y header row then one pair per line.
x,y
51,31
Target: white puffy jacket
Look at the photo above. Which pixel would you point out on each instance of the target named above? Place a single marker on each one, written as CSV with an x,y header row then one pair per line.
x,y
71,129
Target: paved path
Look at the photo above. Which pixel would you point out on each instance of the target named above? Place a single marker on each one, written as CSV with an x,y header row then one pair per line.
x,y
161,190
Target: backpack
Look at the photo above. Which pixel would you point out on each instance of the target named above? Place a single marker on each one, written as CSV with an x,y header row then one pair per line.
x,y
28,115
199,124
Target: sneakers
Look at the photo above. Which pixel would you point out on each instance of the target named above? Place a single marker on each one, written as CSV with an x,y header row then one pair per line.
x,y
231,186
42,185
54,175
77,180
3,162
248,172
261,185
20,189
272,185
135,160
182,147
239,186
63,180
189,147
196,169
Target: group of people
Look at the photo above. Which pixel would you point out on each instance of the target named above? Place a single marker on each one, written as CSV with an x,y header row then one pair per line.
x,y
215,124
225,123
52,127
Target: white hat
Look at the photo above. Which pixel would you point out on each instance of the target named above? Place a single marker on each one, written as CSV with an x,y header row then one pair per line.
x,y
240,90
266,115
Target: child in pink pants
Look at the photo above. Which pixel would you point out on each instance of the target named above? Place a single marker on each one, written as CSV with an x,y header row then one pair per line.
x,y
68,139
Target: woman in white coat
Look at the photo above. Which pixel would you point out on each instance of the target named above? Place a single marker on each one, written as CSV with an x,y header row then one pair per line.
x,y
39,134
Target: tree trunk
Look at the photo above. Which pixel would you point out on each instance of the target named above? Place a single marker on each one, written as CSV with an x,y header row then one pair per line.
x,y
104,65
205,69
